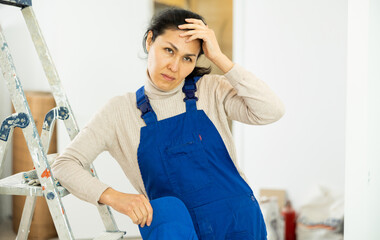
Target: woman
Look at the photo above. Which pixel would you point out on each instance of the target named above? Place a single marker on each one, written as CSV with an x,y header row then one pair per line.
x,y
171,137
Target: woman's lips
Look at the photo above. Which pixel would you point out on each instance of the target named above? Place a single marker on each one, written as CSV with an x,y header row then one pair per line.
x,y
166,77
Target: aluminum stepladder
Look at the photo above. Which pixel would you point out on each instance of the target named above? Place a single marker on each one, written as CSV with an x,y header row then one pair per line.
x,y
38,146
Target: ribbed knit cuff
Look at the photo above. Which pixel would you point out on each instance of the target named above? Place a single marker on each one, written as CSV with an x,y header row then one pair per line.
x,y
96,192
235,76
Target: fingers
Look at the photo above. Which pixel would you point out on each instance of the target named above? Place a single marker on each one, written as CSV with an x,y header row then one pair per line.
x,y
203,34
136,206
196,29
194,20
150,212
196,36
147,212
134,217
142,212
192,26
193,34
140,216
187,33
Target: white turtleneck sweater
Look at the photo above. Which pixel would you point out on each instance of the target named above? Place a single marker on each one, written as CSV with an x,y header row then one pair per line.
x,y
237,95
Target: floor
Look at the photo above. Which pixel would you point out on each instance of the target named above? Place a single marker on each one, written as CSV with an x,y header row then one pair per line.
x,y
6,232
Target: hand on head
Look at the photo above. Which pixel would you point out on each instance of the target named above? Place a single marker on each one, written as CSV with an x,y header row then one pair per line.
x,y
197,29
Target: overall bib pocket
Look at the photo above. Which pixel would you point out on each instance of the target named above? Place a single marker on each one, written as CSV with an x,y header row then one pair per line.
x,y
187,166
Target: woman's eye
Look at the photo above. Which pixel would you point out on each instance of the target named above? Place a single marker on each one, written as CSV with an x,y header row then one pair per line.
x,y
169,50
187,59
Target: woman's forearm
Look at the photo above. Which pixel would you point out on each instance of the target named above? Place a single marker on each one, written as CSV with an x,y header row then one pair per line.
x,y
107,196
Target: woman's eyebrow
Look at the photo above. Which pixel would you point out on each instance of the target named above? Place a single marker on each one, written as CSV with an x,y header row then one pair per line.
x,y
176,49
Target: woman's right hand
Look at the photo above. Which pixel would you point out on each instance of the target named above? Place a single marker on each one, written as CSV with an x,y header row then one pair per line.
x,y
136,206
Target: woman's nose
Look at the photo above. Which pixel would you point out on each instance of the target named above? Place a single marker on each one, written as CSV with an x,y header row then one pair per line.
x,y
174,64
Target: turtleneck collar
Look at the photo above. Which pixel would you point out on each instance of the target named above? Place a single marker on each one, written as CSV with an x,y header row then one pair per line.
x,y
153,92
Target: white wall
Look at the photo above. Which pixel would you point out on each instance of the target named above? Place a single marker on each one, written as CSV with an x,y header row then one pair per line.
x,y
363,117
96,47
373,172
298,48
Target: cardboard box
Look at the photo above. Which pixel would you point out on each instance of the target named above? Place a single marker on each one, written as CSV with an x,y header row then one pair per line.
x,y
278,193
42,226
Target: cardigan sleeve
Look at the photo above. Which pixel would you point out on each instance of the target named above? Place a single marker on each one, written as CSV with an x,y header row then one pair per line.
x,y
248,99
71,167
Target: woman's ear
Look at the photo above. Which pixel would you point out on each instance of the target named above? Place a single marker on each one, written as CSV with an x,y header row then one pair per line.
x,y
149,41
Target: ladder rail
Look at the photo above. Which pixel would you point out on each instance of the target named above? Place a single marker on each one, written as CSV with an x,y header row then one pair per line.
x,y
61,98
50,69
30,201
37,145
26,218
34,142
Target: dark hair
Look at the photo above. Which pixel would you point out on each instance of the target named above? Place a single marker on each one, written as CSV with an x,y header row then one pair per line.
x,y
170,19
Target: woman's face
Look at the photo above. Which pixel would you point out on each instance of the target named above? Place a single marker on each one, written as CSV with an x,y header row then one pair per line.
x,y
170,58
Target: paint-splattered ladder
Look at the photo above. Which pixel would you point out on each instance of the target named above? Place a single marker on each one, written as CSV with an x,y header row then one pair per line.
x,y
37,145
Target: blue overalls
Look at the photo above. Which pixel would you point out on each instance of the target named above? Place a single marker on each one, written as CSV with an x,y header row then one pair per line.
x,y
185,157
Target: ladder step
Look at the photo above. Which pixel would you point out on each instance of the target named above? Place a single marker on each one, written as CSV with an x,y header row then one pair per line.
x,y
17,3
110,236
15,185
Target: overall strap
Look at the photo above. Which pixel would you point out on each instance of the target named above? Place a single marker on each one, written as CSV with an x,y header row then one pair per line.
x,y
143,104
189,88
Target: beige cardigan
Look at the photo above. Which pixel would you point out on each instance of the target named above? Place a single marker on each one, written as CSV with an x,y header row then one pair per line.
x,y
237,95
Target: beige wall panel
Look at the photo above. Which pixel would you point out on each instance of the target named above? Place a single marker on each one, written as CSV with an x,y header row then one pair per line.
x,y
218,15
177,3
